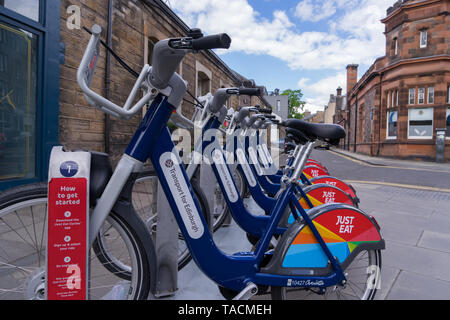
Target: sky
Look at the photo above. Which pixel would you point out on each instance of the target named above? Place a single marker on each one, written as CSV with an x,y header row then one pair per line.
x,y
293,44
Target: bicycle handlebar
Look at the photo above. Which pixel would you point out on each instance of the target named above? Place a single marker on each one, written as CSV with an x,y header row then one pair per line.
x,y
85,73
218,41
242,113
250,91
265,110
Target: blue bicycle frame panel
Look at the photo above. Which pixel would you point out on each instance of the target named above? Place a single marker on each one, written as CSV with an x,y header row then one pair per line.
x,y
152,140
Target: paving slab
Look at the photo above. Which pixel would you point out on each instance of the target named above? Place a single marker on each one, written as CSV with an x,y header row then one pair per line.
x,y
415,264
435,240
432,263
412,286
388,277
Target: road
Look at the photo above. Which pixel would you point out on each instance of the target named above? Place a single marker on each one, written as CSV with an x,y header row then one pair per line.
x,y
394,172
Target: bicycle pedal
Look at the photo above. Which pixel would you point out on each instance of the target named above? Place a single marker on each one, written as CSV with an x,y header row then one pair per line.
x,y
249,291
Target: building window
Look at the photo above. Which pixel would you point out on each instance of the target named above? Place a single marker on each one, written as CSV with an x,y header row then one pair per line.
x,y
412,96
2,63
18,104
204,76
27,8
421,96
388,104
393,99
430,96
203,84
395,46
448,94
448,123
420,123
396,99
151,45
278,105
392,120
423,38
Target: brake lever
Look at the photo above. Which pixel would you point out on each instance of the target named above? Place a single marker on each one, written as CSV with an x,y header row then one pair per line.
x,y
181,43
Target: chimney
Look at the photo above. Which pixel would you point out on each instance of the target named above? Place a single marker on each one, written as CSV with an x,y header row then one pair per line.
x,y
352,76
339,91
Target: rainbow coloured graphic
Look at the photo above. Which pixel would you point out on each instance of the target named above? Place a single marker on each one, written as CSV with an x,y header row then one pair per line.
x,y
342,230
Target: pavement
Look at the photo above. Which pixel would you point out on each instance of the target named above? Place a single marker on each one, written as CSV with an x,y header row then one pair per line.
x,y
391,162
415,222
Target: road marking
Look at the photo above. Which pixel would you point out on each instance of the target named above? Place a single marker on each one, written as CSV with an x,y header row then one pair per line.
x,y
384,166
398,185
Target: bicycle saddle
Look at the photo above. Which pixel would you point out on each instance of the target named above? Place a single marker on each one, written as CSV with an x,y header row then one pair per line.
x,y
297,136
331,133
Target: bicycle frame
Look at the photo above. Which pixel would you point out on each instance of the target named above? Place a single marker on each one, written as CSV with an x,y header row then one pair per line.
x,y
152,140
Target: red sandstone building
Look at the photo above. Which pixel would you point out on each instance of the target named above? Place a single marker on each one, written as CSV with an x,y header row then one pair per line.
x,y
397,105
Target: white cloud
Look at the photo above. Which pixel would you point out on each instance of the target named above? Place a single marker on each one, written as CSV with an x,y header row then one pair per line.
x,y
354,35
355,38
319,91
309,10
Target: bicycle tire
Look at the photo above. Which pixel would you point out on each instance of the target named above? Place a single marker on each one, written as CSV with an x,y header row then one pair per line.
x,y
340,293
13,204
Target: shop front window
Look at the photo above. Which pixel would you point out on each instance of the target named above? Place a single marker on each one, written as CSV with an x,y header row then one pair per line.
x,y
27,8
420,123
18,83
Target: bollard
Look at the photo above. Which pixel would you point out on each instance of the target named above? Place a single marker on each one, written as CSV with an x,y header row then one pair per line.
x,y
67,260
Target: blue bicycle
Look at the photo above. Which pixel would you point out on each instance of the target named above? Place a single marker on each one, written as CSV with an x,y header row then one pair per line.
x,y
331,251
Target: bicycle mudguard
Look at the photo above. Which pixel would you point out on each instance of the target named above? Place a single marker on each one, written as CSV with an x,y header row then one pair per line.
x,y
322,193
312,171
345,230
317,164
333,181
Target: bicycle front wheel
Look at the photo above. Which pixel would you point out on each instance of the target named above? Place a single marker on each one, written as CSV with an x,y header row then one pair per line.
x,y
23,227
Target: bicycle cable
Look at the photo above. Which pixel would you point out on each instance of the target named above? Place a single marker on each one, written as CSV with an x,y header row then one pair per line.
x,y
134,73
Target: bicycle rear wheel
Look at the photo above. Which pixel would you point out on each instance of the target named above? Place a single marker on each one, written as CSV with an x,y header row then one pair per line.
x,y
23,226
363,280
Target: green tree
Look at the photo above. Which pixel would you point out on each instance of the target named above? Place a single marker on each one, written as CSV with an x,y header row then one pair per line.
x,y
296,104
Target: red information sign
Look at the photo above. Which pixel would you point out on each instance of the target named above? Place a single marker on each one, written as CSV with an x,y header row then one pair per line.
x,y
67,238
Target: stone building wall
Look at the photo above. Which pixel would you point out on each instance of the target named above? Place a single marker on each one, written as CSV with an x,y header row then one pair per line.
x,y
135,27
386,85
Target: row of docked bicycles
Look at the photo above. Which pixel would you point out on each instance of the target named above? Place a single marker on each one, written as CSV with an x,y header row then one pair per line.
x,y
312,242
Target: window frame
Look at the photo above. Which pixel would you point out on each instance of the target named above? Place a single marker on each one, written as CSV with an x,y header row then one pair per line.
x,y
199,67
387,125
388,99
413,91
423,32
448,93
48,75
447,114
429,90
432,125
418,95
